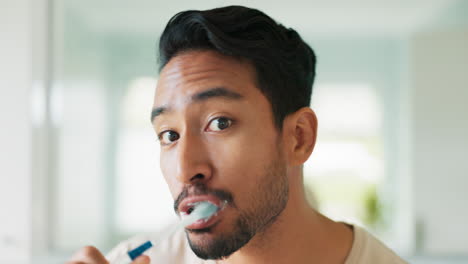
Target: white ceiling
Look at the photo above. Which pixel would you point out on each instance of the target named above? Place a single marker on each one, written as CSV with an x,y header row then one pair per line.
x,y
308,17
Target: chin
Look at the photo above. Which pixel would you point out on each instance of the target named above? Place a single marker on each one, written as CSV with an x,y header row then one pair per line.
x,y
218,241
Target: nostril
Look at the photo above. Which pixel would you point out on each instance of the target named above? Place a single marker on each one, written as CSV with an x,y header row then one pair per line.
x,y
197,177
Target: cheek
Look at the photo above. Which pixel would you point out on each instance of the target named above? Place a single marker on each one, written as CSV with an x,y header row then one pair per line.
x,y
244,157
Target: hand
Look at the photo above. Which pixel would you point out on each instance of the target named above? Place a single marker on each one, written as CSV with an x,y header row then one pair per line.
x,y
91,255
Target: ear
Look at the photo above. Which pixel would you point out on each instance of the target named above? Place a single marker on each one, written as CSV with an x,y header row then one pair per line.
x,y
299,135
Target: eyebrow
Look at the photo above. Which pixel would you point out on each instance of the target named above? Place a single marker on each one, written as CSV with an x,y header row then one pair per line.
x,y
217,92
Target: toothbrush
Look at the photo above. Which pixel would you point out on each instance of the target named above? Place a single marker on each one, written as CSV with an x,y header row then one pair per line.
x,y
202,210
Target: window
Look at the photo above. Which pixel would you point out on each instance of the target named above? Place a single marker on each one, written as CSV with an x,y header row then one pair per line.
x,y
347,165
143,201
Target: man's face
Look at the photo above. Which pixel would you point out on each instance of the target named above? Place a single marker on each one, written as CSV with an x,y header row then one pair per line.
x,y
219,143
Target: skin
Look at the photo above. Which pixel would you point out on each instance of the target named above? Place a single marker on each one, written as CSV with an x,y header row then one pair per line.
x,y
226,158
229,158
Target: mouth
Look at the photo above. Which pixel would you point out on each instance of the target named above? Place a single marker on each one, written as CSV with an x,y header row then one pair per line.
x,y
188,205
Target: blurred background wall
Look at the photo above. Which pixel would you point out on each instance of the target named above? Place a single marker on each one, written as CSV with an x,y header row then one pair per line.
x,y
79,161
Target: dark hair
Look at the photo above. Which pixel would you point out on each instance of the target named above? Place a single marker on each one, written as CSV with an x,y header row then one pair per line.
x,y
284,63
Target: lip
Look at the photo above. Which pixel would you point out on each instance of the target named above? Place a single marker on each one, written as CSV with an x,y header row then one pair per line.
x,y
187,203
205,223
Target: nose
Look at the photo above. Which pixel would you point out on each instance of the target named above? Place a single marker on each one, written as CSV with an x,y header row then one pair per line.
x,y
193,162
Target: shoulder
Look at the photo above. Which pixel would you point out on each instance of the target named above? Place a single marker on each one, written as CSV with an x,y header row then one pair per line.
x,y
175,249
368,249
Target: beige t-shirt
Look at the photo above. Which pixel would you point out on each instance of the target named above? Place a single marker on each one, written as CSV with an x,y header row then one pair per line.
x,y
176,250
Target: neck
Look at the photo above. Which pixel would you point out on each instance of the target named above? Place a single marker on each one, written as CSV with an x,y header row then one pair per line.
x,y
298,235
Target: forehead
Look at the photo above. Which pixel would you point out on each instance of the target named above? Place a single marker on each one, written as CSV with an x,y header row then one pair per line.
x,y
192,72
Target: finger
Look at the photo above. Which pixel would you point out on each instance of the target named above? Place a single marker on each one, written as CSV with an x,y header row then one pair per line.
x,y
143,259
88,255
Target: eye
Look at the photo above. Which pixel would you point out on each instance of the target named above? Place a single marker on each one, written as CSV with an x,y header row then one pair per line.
x,y
219,124
167,137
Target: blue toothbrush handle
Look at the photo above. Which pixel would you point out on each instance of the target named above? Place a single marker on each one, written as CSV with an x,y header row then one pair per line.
x,y
135,253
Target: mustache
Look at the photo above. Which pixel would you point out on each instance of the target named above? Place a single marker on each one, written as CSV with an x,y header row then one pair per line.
x,y
201,189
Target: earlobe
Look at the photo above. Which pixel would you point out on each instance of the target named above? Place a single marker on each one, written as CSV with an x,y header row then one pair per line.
x,y
302,132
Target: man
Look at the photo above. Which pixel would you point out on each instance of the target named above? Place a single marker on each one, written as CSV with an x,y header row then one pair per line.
x,y
231,111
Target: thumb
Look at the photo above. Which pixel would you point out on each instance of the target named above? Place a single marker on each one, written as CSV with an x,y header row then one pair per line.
x,y
143,259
